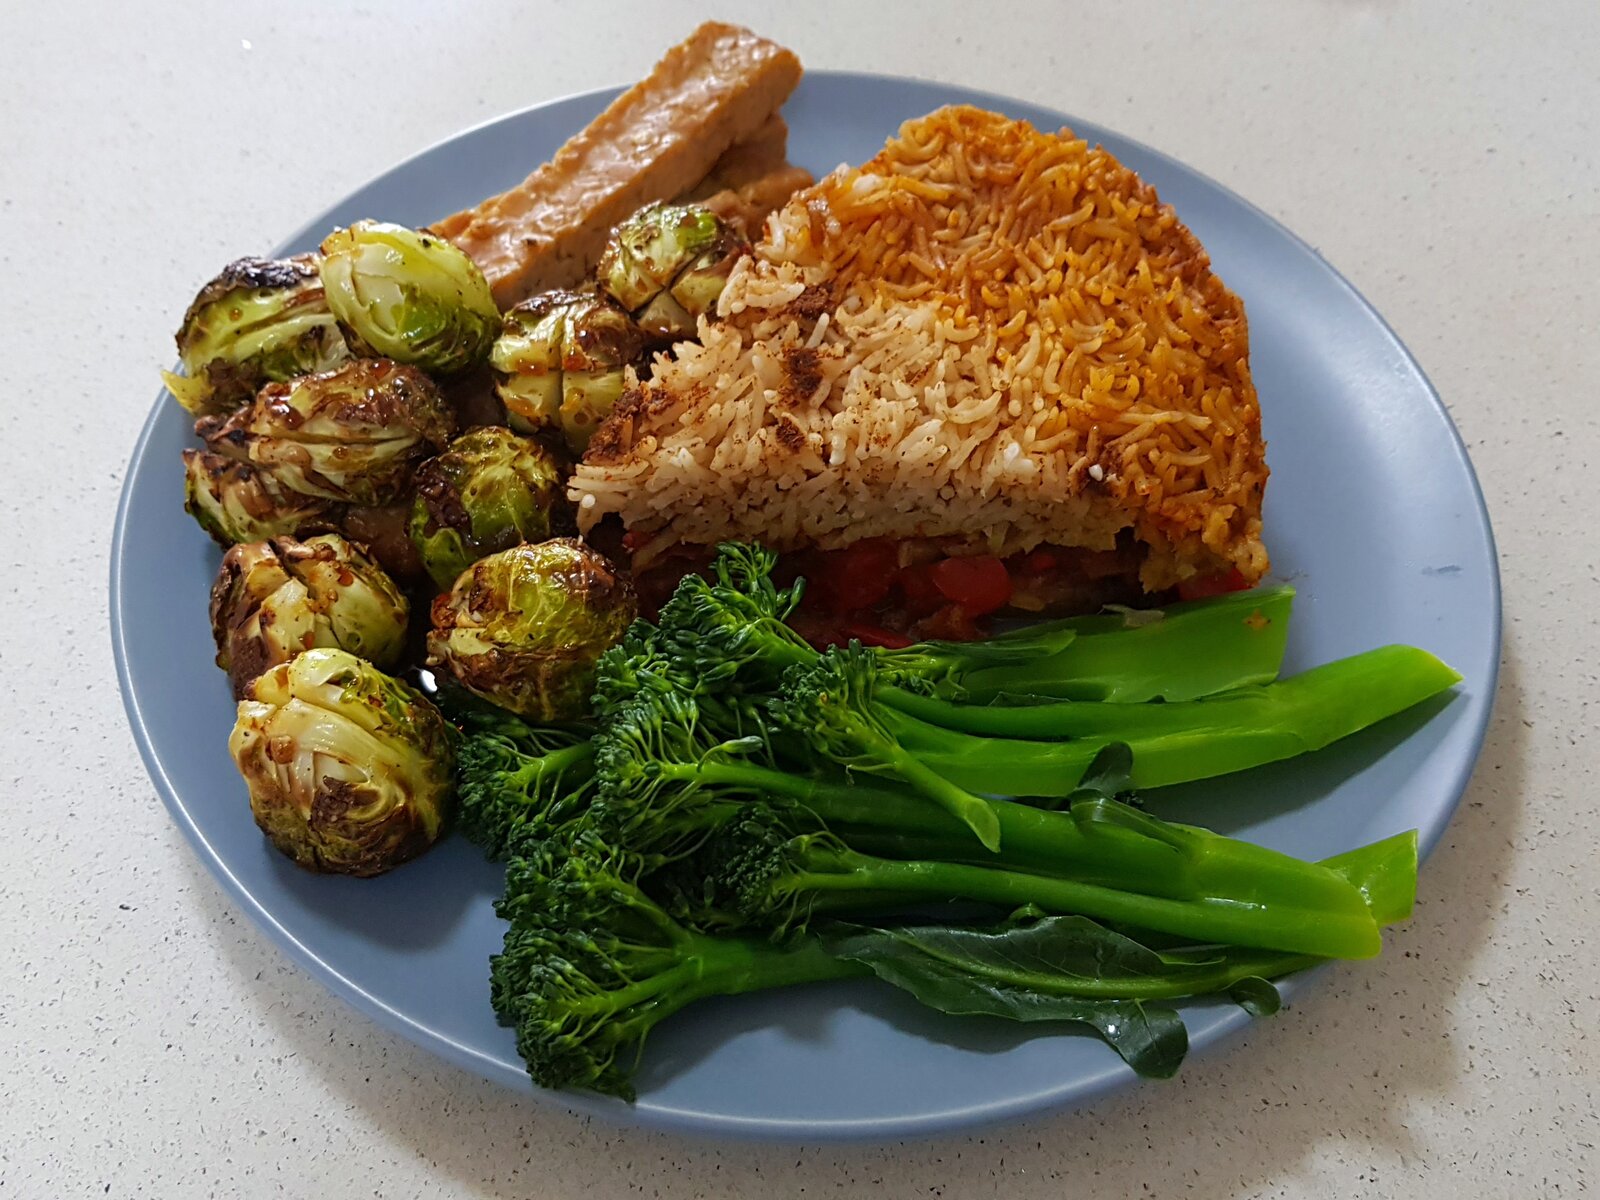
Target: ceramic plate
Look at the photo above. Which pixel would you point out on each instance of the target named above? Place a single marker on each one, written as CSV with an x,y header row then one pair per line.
x,y
1373,513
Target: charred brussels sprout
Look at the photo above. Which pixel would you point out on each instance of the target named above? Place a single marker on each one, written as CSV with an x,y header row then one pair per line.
x,y
350,771
666,265
409,296
261,319
234,502
354,434
560,363
275,598
523,628
490,490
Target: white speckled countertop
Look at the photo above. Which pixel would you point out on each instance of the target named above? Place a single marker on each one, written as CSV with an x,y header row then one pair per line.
x,y
1443,155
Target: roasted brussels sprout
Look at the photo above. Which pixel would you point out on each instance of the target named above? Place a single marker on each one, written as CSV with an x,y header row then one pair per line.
x,y
490,490
349,770
409,296
354,434
559,363
261,319
666,265
234,502
523,628
275,598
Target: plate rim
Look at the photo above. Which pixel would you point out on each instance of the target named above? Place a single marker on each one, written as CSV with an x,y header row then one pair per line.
x,y
1075,1092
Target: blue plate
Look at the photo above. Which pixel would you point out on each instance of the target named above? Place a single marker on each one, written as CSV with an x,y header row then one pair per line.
x,y
1373,513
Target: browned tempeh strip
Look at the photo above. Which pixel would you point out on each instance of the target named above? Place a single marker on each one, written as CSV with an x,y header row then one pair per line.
x,y
752,179
657,140
743,164
765,152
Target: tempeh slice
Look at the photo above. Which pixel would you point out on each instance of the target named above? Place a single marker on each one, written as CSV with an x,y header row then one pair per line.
x,y
657,140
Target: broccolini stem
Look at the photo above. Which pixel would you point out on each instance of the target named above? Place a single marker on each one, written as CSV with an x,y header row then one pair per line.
x,y
1267,925
1099,844
1345,694
731,965
833,801
1200,971
973,811
1013,766
1171,743
1192,650
556,763
1385,873
1199,979
1111,845
704,967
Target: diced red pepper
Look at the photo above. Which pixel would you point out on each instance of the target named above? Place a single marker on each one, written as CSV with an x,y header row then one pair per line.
x,y
1040,561
980,585
1201,586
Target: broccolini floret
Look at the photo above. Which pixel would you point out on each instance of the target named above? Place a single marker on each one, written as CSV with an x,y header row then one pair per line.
x,y
518,781
741,793
591,964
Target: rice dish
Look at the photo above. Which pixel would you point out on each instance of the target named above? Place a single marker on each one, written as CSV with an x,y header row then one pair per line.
x,y
988,337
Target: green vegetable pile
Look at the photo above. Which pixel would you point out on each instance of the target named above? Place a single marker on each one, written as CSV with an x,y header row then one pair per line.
x,y
746,812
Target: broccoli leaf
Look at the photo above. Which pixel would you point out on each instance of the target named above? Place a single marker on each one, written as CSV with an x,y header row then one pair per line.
x,y
1068,968
1015,974
1257,996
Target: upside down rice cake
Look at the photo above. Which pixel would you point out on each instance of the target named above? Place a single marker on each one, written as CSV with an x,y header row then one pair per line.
x,y
987,337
